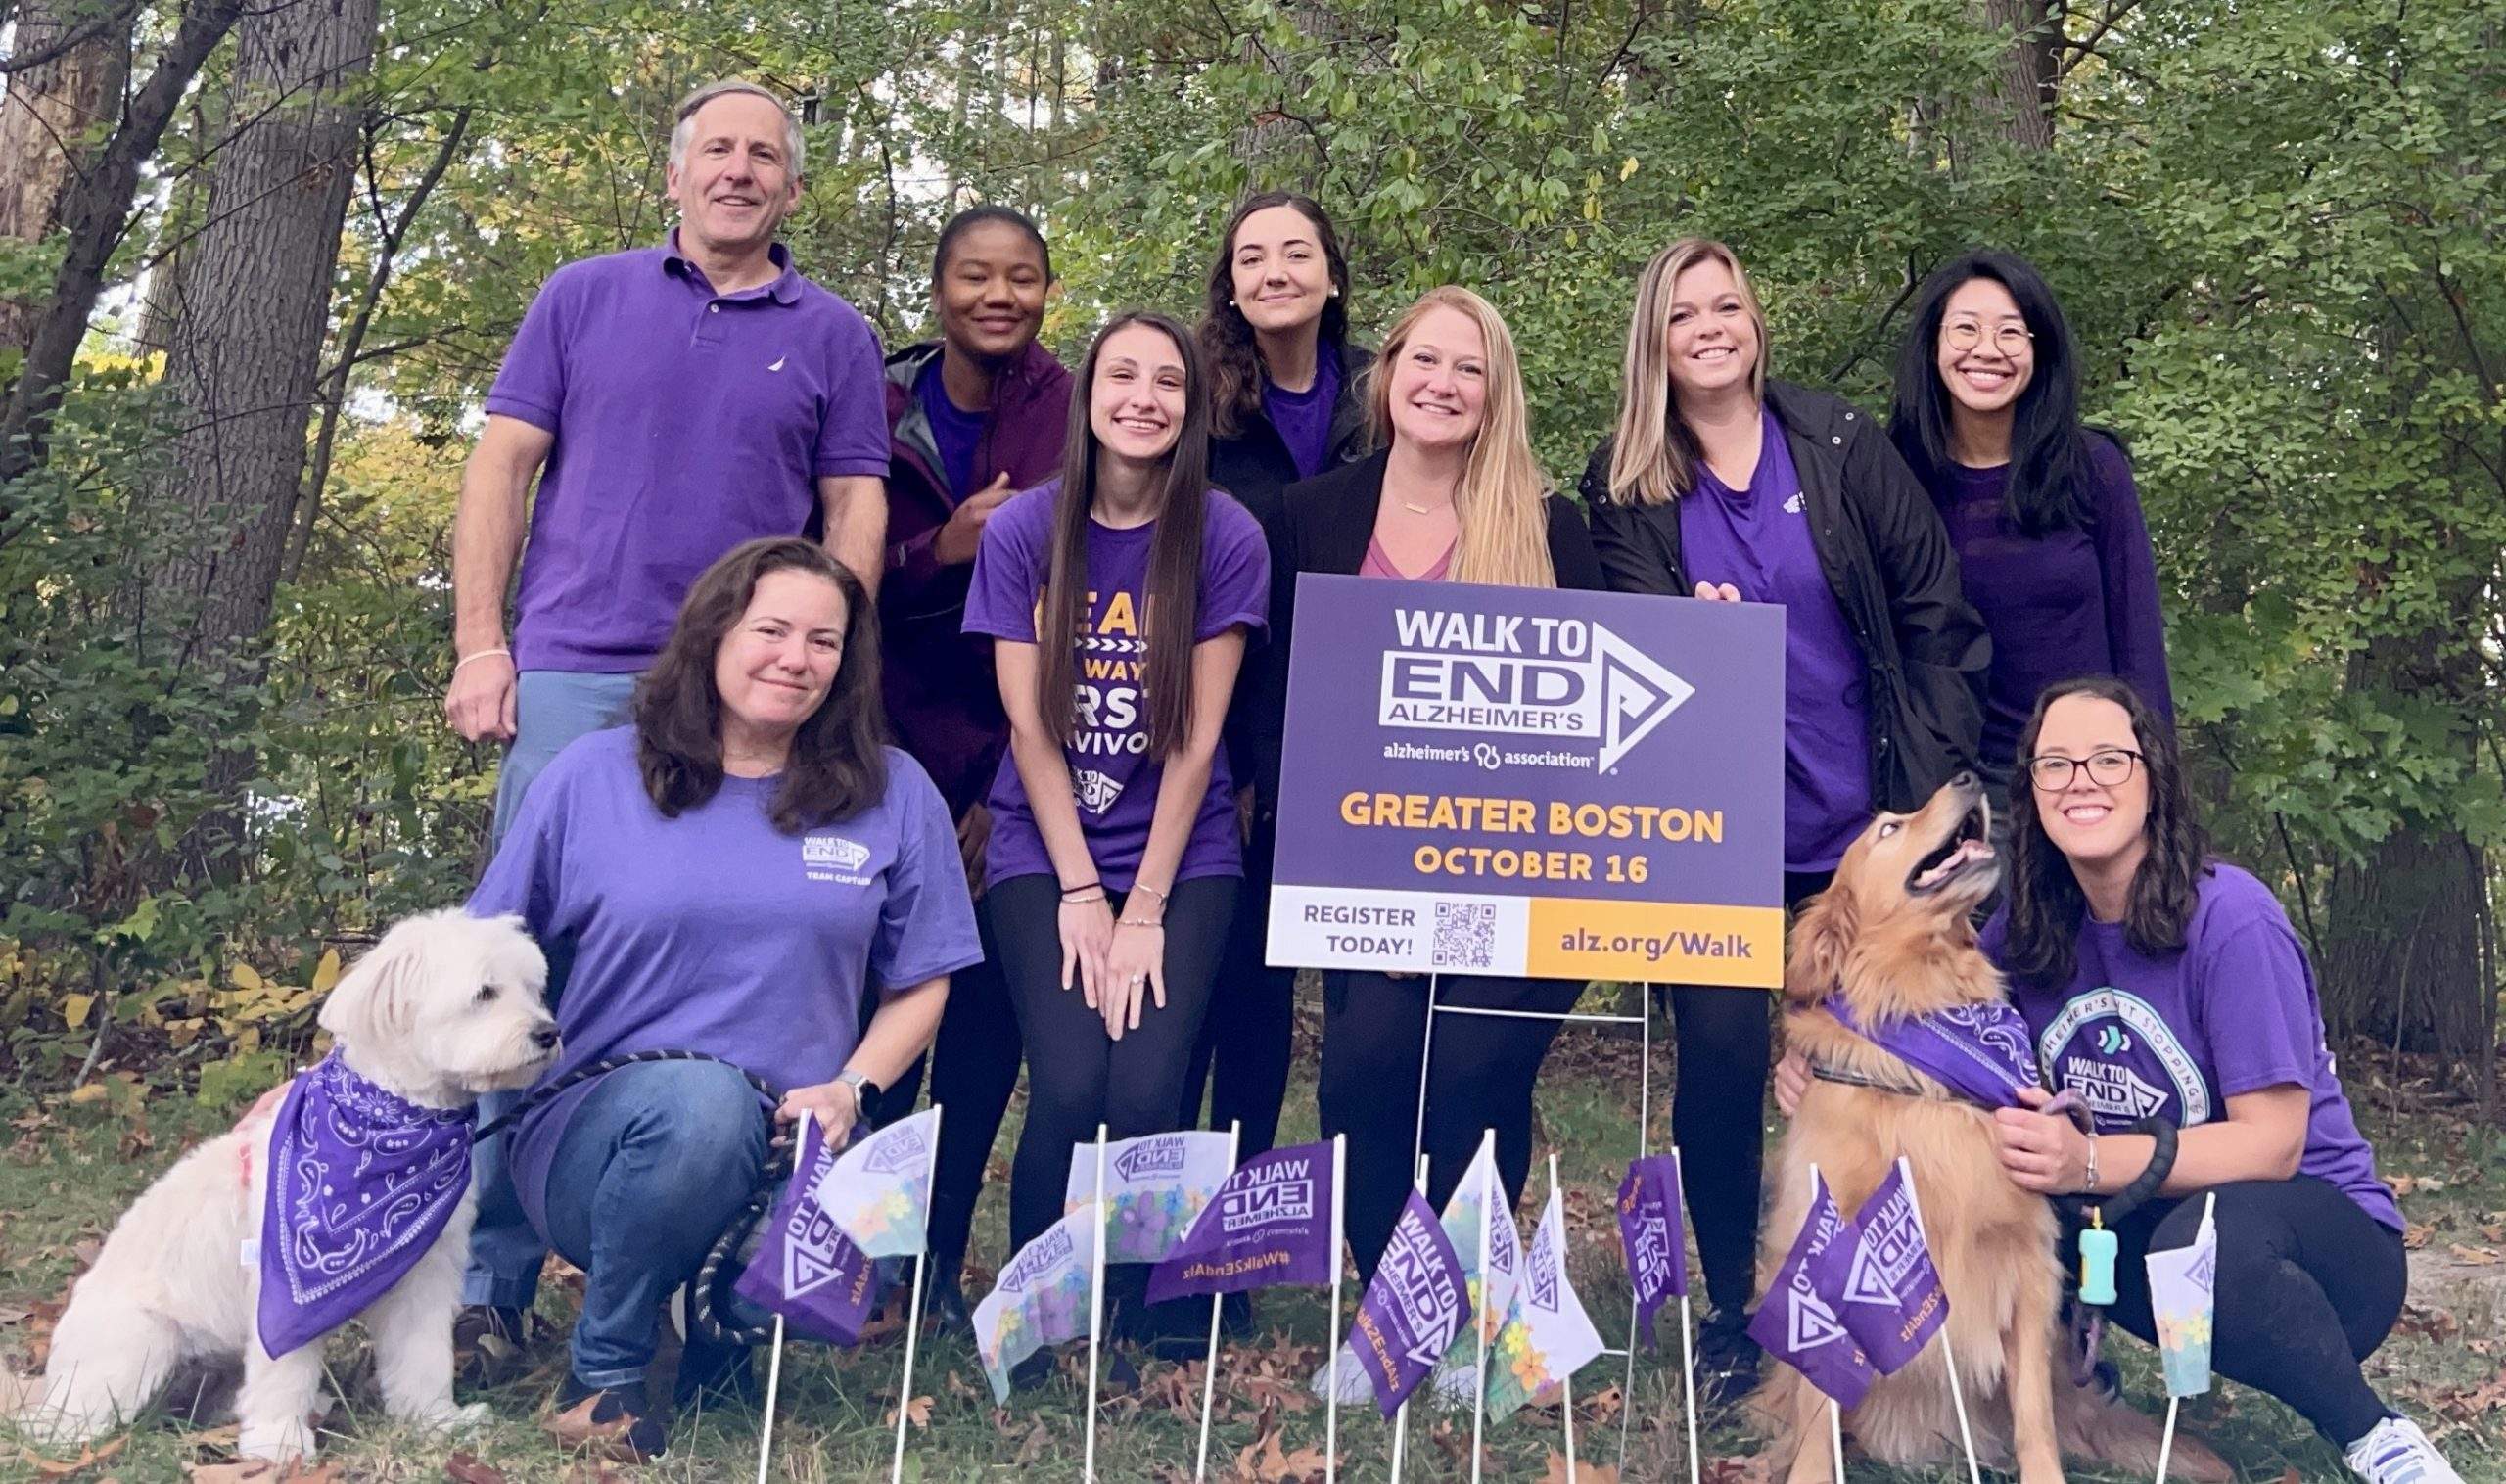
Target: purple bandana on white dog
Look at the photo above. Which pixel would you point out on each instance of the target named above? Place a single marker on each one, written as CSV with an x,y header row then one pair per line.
x,y
1982,1052
362,1182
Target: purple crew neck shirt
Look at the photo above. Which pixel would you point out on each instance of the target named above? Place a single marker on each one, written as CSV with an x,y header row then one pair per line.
x,y
2079,601
1758,540
2175,1035
1304,418
686,421
715,932
954,431
1112,778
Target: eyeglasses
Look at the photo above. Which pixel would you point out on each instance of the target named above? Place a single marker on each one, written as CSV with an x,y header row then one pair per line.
x,y
2107,767
1965,334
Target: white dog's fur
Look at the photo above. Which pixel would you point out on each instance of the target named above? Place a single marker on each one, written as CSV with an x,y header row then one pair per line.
x,y
444,1008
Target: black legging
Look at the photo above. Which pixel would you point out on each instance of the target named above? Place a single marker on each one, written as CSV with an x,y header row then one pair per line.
x,y
1479,1076
1726,1043
974,1068
2308,1286
1244,1054
1078,1076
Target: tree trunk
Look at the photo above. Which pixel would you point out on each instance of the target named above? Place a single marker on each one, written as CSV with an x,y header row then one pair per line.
x,y
94,213
54,113
252,294
2016,105
2401,949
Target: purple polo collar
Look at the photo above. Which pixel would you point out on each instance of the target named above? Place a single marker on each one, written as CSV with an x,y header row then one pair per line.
x,y
783,290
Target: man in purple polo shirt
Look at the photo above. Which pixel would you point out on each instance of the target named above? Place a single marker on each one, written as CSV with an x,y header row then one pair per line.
x,y
673,401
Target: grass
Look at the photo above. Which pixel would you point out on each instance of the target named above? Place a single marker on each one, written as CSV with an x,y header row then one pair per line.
x,y
72,1167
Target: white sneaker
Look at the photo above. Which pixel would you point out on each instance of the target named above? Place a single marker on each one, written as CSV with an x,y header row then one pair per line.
x,y
2396,1452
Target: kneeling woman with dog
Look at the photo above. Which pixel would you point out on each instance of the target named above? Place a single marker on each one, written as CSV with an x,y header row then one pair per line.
x,y
732,873
2162,983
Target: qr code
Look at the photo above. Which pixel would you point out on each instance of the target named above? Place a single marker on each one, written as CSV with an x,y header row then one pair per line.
x,y
1466,935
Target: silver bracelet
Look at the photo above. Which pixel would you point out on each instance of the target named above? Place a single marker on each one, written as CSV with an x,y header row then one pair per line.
x,y
1135,922
2092,1167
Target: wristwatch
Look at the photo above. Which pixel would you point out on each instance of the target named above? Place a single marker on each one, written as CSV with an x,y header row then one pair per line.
x,y
864,1091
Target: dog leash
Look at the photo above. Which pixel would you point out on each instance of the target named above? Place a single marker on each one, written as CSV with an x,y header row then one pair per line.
x,y
733,1241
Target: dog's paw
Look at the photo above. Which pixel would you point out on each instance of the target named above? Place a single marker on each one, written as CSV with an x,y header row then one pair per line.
x,y
277,1444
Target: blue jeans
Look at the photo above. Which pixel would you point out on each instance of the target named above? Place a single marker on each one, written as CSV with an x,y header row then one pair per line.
x,y
653,1165
551,709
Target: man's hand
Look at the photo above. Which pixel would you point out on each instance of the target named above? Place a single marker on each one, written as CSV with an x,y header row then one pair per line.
x,y
480,701
957,541
833,1105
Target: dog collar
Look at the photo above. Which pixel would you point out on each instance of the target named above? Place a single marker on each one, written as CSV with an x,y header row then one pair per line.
x,y
362,1182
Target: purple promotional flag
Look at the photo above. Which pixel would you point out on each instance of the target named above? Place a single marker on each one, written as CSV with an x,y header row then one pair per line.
x,y
805,1268
1414,1309
1798,1323
1893,1301
1652,1236
1269,1225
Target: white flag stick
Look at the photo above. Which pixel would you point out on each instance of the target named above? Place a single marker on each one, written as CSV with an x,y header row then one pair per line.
x,y
913,1307
1095,1307
1426,1052
774,1357
1688,1346
1488,1188
1567,1382
774,1381
2166,1439
1643,1138
1331,1404
1419,1183
1209,1376
1836,1411
1956,1398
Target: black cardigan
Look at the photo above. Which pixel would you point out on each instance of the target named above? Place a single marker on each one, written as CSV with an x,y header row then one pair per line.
x,y
1255,465
1890,565
1324,525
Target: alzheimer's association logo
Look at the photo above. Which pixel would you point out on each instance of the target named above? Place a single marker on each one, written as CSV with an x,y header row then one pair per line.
x,y
902,1153
1151,1156
1522,676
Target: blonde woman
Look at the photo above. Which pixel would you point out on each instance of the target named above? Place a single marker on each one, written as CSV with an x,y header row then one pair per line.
x,y
1726,486
1452,496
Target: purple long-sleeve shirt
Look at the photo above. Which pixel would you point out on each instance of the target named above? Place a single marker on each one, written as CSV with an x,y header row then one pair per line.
x,y
2072,602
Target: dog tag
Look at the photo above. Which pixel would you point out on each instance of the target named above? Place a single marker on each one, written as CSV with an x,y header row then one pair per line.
x,y
2096,1265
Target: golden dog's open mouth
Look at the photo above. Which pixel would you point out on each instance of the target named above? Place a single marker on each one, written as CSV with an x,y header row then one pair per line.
x,y
1967,846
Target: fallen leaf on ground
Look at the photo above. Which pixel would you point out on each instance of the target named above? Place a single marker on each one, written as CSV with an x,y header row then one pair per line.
x,y
464,1468
88,1457
1040,1439
1604,1403
2416,1234
2476,1257
1585,1473
594,1471
917,1411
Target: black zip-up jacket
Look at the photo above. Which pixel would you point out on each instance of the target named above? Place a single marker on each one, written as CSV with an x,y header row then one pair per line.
x,y
1255,465
1324,525
1887,558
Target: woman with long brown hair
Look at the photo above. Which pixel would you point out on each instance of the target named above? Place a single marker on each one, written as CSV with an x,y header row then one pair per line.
x,y
734,872
1453,495
1119,598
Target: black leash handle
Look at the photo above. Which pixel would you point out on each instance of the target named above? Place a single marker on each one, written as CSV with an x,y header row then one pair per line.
x,y
604,1065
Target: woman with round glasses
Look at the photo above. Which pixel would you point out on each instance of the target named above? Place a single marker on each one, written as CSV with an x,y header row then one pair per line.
x,y
2052,549
2160,982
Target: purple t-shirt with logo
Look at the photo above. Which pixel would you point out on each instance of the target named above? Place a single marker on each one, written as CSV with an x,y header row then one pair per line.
x,y
955,431
1758,540
1112,776
1304,418
715,932
2176,1035
686,421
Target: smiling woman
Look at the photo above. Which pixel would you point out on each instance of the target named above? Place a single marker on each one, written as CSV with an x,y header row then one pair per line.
x,y
683,859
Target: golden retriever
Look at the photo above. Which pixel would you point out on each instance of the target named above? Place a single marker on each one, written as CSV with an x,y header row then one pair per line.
x,y
1895,936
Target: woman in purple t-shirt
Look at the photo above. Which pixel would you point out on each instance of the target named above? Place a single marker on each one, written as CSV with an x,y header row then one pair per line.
x,y
2052,548
1721,483
1119,599
2163,984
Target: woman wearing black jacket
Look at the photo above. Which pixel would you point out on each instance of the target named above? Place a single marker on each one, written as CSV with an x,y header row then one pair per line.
x,y
1454,495
1722,484
1287,403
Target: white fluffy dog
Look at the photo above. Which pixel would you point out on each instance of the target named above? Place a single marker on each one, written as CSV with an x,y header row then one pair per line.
x,y
444,1008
